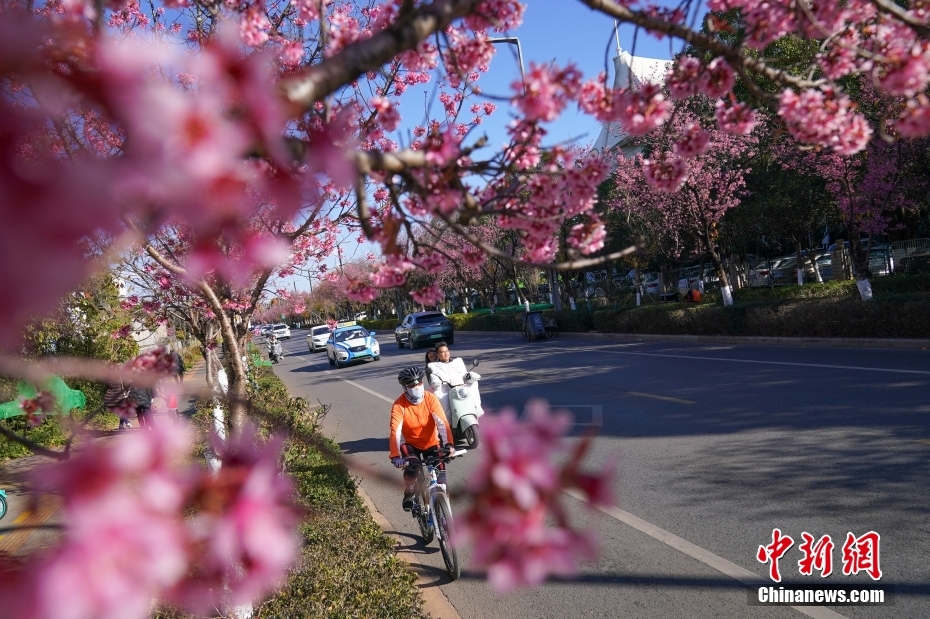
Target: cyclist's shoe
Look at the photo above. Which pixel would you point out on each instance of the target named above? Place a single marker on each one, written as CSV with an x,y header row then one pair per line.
x,y
408,502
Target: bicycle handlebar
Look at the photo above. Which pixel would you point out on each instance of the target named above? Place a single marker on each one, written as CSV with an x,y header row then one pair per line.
x,y
432,460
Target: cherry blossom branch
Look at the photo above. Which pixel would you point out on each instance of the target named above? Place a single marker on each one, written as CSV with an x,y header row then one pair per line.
x,y
701,41
558,266
34,447
890,8
318,81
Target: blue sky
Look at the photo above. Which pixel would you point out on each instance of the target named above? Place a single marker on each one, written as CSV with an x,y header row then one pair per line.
x,y
570,33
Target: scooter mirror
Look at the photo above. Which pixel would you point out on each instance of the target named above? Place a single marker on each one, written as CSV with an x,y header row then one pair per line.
x,y
474,363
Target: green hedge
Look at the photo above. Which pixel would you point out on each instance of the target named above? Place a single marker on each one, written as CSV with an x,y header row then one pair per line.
x,y
892,316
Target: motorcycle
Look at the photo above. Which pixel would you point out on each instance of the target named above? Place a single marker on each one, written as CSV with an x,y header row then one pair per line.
x,y
275,351
457,389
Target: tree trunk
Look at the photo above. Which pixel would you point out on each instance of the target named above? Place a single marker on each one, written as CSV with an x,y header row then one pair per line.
x,y
860,260
725,291
799,260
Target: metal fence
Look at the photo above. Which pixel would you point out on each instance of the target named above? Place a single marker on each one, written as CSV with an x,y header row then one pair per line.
x,y
911,256
902,257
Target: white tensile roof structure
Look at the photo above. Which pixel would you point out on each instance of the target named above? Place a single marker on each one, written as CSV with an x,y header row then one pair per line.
x,y
629,71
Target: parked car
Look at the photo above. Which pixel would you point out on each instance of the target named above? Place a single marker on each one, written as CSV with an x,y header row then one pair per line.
x,y
770,273
281,331
651,283
354,343
316,339
424,327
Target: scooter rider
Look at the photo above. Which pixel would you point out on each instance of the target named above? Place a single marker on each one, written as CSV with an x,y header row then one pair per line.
x,y
448,371
274,348
418,424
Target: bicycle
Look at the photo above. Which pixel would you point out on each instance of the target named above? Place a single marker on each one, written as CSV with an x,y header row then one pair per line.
x,y
2,503
432,509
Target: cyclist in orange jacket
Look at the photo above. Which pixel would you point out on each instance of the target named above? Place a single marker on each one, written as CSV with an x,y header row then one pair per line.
x,y
418,425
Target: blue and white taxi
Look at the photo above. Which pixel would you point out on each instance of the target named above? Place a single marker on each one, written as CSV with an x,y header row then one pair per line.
x,y
351,343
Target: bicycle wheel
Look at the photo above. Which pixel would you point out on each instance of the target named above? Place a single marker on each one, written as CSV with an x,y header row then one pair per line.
x,y
2,506
427,531
444,523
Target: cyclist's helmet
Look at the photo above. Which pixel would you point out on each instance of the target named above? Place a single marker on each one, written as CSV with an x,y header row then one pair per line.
x,y
410,376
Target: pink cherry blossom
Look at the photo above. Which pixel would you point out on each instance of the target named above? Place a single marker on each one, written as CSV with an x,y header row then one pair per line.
x,y
684,79
428,295
734,117
387,113
824,117
641,110
693,141
254,27
247,520
516,490
914,121
361,292
589,237
717,78
665,171
545,91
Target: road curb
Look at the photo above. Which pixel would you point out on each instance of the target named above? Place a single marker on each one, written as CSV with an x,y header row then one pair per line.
x,y
435,602
830,342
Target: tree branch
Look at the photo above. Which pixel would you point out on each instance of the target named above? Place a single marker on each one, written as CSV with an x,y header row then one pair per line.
x,y
34,447
316,82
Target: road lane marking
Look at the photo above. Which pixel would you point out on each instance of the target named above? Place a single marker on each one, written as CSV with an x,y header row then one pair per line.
x,y
759,361
660,397
366,389
706,557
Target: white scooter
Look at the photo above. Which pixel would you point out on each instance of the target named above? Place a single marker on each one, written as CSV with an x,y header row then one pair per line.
x,y
275,351
457,389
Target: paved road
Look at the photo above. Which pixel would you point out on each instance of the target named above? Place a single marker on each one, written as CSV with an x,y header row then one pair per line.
x,y
718,445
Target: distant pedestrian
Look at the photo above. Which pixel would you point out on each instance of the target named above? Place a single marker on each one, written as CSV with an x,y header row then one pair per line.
x,y
118,400
143,397
179,360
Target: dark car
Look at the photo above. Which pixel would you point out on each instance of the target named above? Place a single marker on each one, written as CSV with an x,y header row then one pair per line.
x,y
423,328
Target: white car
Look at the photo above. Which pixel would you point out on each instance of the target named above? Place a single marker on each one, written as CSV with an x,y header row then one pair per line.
x,y
316,339
353,343
282,331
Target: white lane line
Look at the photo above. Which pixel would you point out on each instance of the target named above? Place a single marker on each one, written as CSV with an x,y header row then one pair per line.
x,y
706,557
758,361
659,397
366,389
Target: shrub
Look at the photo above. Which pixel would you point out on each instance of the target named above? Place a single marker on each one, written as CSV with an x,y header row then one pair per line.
x,y
906,316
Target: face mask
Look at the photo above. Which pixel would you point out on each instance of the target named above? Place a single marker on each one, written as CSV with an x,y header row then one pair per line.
x,y
415,394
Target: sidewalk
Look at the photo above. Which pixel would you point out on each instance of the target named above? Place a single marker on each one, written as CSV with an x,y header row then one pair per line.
x,y
14,478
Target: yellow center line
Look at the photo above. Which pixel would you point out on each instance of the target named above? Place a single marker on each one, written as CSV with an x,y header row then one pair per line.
x,y
659,397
